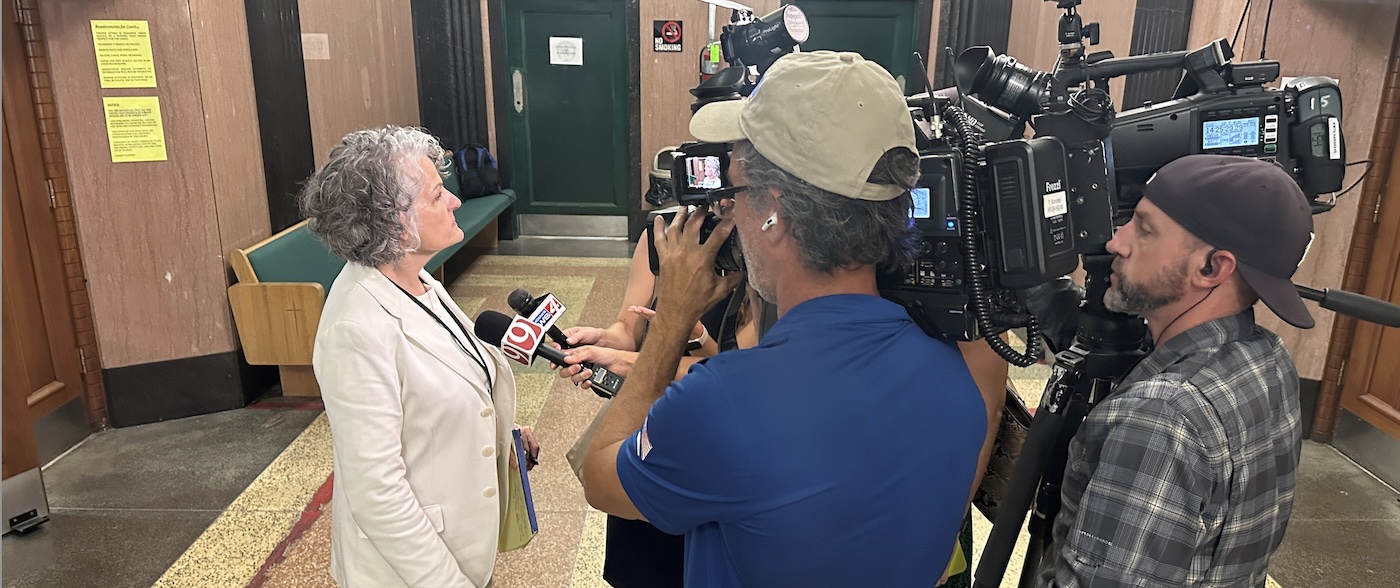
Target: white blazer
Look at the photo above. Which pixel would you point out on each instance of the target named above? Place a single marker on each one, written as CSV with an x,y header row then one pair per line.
x,y
421,446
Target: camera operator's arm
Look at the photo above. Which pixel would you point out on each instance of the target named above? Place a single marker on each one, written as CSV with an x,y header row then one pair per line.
x,y
686,288
1139,518
989,371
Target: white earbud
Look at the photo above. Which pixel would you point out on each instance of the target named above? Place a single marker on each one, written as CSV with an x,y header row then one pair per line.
x,y
768,224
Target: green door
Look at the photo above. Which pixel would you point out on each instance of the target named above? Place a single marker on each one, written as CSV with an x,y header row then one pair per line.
x,y
882,31
566,84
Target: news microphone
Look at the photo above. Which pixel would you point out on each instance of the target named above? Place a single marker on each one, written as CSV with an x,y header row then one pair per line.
x,y
519,339
524,305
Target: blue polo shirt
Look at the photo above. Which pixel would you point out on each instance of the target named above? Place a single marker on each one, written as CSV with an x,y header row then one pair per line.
x,y
838,452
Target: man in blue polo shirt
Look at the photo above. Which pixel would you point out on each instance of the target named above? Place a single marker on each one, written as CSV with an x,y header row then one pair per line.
x,y
841,450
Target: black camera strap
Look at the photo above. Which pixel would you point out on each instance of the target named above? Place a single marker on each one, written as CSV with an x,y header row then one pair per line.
x,y
727,338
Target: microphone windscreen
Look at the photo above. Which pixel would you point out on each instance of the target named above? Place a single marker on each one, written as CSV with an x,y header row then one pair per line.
x,y
491,327
518,299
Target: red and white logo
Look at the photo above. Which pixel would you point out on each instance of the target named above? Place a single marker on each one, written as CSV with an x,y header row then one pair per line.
x,y
521,340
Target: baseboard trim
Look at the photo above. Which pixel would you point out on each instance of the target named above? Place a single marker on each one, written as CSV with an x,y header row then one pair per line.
x,y
178,388
1369,447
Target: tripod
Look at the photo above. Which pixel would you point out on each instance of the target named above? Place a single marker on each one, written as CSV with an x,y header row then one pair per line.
x,y
1106,346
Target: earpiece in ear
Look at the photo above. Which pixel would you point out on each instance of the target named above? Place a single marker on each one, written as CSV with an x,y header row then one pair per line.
x,y
768,224
1209,268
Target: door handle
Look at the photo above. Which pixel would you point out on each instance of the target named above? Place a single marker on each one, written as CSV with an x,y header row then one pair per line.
x,y
517,80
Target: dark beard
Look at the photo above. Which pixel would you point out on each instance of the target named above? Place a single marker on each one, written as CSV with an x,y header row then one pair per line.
x,y
1137,298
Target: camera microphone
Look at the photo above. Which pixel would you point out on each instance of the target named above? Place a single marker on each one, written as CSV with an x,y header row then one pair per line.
x,y
525,305
520,340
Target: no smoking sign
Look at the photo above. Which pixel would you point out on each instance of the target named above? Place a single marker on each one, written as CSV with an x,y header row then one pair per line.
x,y
666,36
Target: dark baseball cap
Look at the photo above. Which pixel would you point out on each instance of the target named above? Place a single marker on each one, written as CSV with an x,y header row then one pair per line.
x,y
1249,207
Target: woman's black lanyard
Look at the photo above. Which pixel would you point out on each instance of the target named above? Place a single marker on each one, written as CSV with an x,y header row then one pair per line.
x,y
479,358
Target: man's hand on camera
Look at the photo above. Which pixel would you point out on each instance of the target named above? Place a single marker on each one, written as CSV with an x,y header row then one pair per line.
x,y
1055,306
688,284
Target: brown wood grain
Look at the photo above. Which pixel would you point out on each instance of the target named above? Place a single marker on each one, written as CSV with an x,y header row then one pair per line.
x,y
231,121
33,252
20,452
277,320
1371,388
28,360
1352,43
298,380
370,79
149,231
36,64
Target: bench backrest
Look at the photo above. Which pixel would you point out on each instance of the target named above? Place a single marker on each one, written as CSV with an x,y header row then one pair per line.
x,y
294,255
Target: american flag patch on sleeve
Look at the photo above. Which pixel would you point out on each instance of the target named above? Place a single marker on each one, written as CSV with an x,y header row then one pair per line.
x,y
643,441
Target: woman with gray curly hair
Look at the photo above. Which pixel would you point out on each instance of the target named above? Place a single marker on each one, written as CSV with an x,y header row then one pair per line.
x,y
421,411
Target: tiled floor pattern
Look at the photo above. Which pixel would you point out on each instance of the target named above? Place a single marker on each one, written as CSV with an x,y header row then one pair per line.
x,y
244,544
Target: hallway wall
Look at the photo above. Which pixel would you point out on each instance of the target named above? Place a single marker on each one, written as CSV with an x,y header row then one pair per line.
x,y
154,235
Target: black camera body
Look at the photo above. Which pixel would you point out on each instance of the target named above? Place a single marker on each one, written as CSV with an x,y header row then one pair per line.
x,y
700,173
1298,127
1028,238
998,214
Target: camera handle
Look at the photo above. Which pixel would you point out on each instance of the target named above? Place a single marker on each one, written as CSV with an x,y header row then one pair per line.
x,y
1106,347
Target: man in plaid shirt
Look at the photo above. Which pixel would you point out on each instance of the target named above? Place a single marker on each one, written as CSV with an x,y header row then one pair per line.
x,y
1184,476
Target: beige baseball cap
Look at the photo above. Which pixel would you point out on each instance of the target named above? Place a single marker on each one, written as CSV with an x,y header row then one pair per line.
x,y
823,116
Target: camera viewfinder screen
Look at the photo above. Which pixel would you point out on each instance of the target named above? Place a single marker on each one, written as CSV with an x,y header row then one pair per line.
x,y
1235,132
703,172
921,205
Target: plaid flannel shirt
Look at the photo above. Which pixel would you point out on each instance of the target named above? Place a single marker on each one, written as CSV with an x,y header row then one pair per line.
x,y
1184,476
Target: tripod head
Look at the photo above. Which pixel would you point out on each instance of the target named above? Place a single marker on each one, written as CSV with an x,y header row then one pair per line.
x,y
1072,31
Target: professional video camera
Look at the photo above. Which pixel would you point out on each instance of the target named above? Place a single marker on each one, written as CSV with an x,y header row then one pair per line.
x,y
999,214
700,171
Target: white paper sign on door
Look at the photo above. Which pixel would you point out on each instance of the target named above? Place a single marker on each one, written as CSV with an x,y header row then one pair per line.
x,y
565,51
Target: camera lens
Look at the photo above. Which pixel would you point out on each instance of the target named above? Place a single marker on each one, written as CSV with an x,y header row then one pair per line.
x,y
729,258
1001,81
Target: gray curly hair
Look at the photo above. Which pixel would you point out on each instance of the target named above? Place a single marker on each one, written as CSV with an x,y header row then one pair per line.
x,y
361,203
831,230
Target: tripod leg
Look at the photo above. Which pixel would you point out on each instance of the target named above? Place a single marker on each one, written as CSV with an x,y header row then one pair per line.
x,y
1011,513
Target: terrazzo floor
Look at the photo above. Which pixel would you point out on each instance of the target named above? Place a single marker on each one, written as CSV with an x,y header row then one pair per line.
x,y
241,498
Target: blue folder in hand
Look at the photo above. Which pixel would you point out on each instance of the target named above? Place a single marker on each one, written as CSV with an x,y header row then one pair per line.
x,y
520,524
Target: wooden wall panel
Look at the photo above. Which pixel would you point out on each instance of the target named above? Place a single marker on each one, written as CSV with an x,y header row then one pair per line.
x,y
55,168
1214,19
231,121
149,231
369,79
1347,41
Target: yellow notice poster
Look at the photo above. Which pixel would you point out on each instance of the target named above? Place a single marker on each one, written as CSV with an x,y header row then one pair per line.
x,y
124,53
134,130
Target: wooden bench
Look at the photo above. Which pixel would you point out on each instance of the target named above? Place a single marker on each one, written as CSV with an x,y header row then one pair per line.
x,y
283,281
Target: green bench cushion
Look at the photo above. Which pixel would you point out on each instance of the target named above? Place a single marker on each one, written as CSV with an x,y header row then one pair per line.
x,y
296,257
299,257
